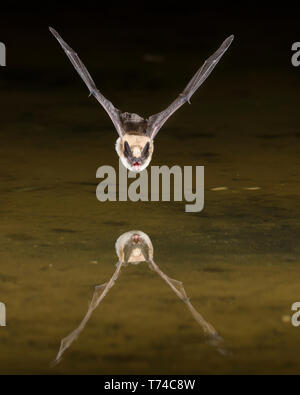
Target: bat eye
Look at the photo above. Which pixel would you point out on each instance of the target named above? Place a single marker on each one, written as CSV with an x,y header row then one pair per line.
x,y
145,151
127,150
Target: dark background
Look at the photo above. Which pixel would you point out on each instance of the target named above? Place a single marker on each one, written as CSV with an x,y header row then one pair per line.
x,y
264,32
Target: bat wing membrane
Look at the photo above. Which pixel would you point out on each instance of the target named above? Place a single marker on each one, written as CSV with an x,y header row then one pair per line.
x,y
155,122
113,112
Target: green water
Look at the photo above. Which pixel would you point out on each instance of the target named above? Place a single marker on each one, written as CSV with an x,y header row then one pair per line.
x,y
238,259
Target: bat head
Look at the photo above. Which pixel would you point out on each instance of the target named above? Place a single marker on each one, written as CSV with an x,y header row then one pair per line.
x,y
135,151
134,247
134,147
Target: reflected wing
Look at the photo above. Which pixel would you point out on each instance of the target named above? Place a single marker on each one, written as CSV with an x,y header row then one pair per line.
x,y
113,112
177,286
156,121
100,292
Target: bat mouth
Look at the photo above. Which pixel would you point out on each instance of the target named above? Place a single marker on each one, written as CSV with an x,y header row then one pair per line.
x,y
136,165
136,238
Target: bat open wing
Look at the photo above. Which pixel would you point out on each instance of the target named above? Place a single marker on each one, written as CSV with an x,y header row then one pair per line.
x,y
100,292
113,112
155,122
212,335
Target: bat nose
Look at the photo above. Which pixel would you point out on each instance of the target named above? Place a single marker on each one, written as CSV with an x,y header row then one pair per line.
x,y
136,238
136,152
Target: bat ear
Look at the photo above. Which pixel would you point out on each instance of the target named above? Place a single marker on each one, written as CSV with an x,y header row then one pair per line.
x,y
127,150
146,149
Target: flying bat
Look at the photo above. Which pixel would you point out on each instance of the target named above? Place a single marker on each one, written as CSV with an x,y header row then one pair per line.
x,y
135,143
135,247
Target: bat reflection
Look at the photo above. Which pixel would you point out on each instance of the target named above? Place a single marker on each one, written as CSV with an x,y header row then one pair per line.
x,y
135,247
136,134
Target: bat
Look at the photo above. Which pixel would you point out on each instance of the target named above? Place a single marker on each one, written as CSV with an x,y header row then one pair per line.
x,y
135,143
136,247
